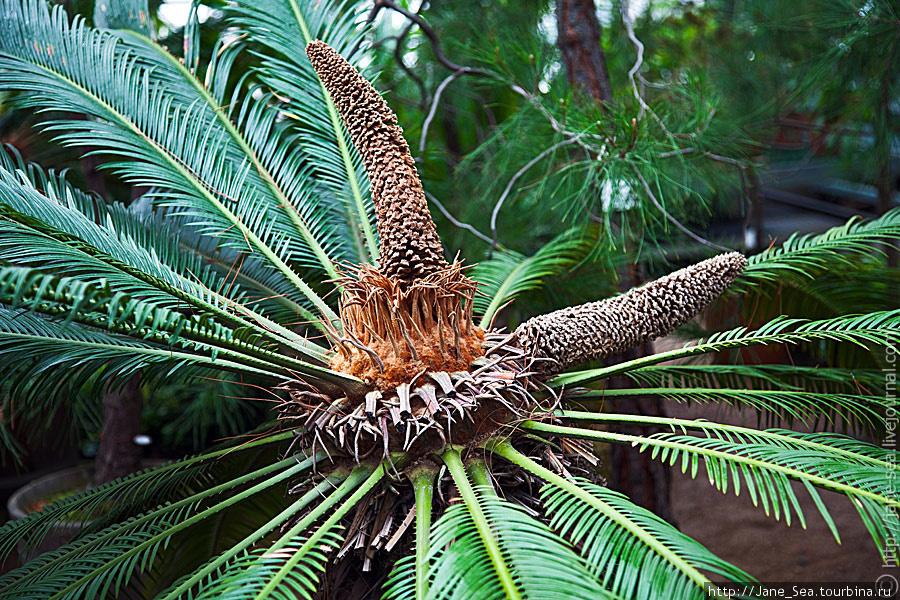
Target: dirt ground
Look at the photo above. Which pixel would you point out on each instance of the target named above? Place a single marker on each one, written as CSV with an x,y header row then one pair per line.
x,y
731,527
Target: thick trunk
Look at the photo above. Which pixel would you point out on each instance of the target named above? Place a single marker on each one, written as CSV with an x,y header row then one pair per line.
x,y
118,454
579,41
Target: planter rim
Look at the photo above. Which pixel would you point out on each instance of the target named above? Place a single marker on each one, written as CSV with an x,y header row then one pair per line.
x,y
84,473
15,504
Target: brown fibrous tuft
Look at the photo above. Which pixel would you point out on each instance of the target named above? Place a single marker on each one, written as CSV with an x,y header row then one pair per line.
x,y
410,246
393,332
580,334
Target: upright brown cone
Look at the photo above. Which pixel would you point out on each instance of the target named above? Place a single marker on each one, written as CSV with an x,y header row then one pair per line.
x,y
580,334
410,246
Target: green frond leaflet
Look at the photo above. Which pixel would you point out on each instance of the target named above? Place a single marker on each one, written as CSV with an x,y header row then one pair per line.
x,y
766,469
881,328
371,477
150,483
509,274
216,572
505,450
823,443
488,538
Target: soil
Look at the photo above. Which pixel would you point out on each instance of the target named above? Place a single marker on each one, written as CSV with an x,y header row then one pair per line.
x,y
769,550
42,502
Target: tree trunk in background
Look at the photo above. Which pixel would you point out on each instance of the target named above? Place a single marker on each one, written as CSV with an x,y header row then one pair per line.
x,y
884,134
118,455
646,481
579,41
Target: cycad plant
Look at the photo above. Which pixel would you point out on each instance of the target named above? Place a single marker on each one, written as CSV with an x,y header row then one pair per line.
x,y
418,450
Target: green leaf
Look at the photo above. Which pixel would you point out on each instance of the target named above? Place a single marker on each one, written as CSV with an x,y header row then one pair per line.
x,y
877,328
90,566
806,407
284,27
509,274
766,467
802,254
632,552
178,150
485,547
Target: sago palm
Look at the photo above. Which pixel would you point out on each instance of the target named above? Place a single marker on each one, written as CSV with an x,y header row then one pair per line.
x,y
417,449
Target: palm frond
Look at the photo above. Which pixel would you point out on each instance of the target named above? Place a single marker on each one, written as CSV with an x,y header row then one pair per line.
x,y
486,547
43,345
209,578
508,274
766,467
401,583
290,566
280,175
800,255
26,190
878,328
806,407
284,27
409,576
70,300
49,224
820,380
90,566
643,573
634,553
843,447
177,150
108,502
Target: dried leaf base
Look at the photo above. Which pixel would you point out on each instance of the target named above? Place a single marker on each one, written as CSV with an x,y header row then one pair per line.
x,y
429,411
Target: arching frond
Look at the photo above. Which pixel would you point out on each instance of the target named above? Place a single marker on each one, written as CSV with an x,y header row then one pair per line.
x,y
70,300
508,274
280,173
49,224
290,565
633,552
175,149
821,380
641,573
878,328
284,27
486,547
149,485
841,447
211,576
801,254
42,345
90,566
789,405
766,467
